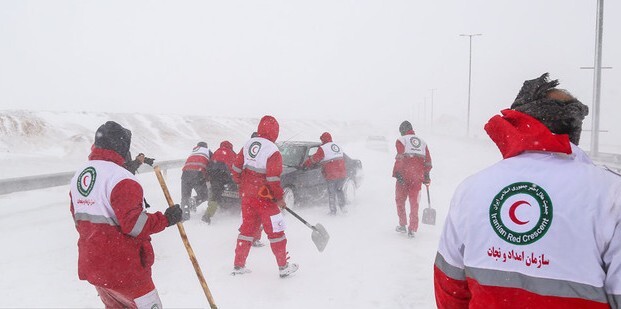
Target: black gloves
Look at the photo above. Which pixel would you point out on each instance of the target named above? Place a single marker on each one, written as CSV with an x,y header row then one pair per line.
x,y
399,178
173,214
149,161
426,179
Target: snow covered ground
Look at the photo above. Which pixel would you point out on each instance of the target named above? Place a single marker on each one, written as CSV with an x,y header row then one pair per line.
x,y
365,265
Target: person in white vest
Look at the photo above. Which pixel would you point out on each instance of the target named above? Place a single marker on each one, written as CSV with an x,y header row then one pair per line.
x,y
194,177
411,169
114,246
256,170
540,228
332,160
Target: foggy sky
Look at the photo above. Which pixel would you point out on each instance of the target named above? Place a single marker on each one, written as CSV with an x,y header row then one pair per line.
x,y
301,59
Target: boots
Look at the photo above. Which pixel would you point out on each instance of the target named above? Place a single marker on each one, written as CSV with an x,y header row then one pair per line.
x,y
400,229
240,270
288,269
212,207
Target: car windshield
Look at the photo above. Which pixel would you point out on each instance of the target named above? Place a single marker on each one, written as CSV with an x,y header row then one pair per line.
x,y
292,155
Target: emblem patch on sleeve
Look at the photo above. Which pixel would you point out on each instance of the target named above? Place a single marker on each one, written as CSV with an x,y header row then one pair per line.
x,y
86,180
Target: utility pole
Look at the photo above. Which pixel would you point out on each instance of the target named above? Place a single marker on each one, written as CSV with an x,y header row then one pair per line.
x,y
432,90
469,79
425,111
597,76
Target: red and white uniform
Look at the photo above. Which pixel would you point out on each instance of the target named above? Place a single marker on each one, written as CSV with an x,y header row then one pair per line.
x,y
114,247
197,160
411,163
413,159
539,229
225,154
258,165
331,158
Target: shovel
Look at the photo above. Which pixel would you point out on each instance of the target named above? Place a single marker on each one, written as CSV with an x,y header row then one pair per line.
x,y
319,235
429,214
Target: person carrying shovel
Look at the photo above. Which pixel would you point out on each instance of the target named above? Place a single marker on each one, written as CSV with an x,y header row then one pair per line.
x,y
259,166
411,169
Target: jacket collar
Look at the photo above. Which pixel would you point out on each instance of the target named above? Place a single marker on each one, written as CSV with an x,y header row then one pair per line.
x,y
409,132
515,132
106,155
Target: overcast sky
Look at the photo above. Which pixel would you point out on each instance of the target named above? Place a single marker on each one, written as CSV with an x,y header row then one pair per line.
x,y
300,59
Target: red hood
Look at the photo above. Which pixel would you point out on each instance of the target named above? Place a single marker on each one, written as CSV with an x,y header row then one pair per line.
x,y
325,137
515,132
106,155
226,144
268,128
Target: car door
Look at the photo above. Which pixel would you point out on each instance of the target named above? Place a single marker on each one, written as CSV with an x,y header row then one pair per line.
x,y
312,179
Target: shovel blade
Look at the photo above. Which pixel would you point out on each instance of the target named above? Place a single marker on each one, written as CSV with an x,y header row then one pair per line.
x,y
320,237
429,216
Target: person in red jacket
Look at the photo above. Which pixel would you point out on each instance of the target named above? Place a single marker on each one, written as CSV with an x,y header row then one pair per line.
x,y
332,160
219,171
411,169
194,177
114,246
257,171
541,228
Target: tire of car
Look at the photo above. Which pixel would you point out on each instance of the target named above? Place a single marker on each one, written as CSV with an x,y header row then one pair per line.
x,y
289,197
349,189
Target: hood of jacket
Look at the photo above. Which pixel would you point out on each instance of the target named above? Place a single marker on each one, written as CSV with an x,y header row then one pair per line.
x,y
226,144
515,132
268,128
325,138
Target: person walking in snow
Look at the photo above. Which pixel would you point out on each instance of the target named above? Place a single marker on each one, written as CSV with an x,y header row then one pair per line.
x,y
332,160
257,171
411,169
194,177
540,228
114,246
219,171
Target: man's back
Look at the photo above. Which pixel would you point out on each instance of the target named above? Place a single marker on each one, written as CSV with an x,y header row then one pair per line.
x,y
537,227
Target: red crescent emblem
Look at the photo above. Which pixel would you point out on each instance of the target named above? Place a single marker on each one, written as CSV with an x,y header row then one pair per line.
x,y
84,181
512,210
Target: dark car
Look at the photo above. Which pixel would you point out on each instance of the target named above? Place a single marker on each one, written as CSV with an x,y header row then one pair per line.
x,y
306,185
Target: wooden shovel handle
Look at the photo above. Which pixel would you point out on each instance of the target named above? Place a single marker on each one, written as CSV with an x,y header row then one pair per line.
x,y
186,242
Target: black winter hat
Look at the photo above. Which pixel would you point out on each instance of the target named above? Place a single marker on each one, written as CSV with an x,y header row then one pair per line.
x,y
555,108
113,136
405,127
201,144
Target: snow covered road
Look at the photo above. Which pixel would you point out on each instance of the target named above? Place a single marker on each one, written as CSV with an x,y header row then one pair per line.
x,y
365,265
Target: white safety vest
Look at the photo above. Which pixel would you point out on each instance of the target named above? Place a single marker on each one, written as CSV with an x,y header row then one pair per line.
x,y
331,151
91,188
414,145
550,218
201,151
256,152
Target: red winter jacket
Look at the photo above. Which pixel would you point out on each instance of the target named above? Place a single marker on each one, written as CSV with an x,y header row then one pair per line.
x,y
332,169
225,154
108,256
411,168
458,284
198,160
249,181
